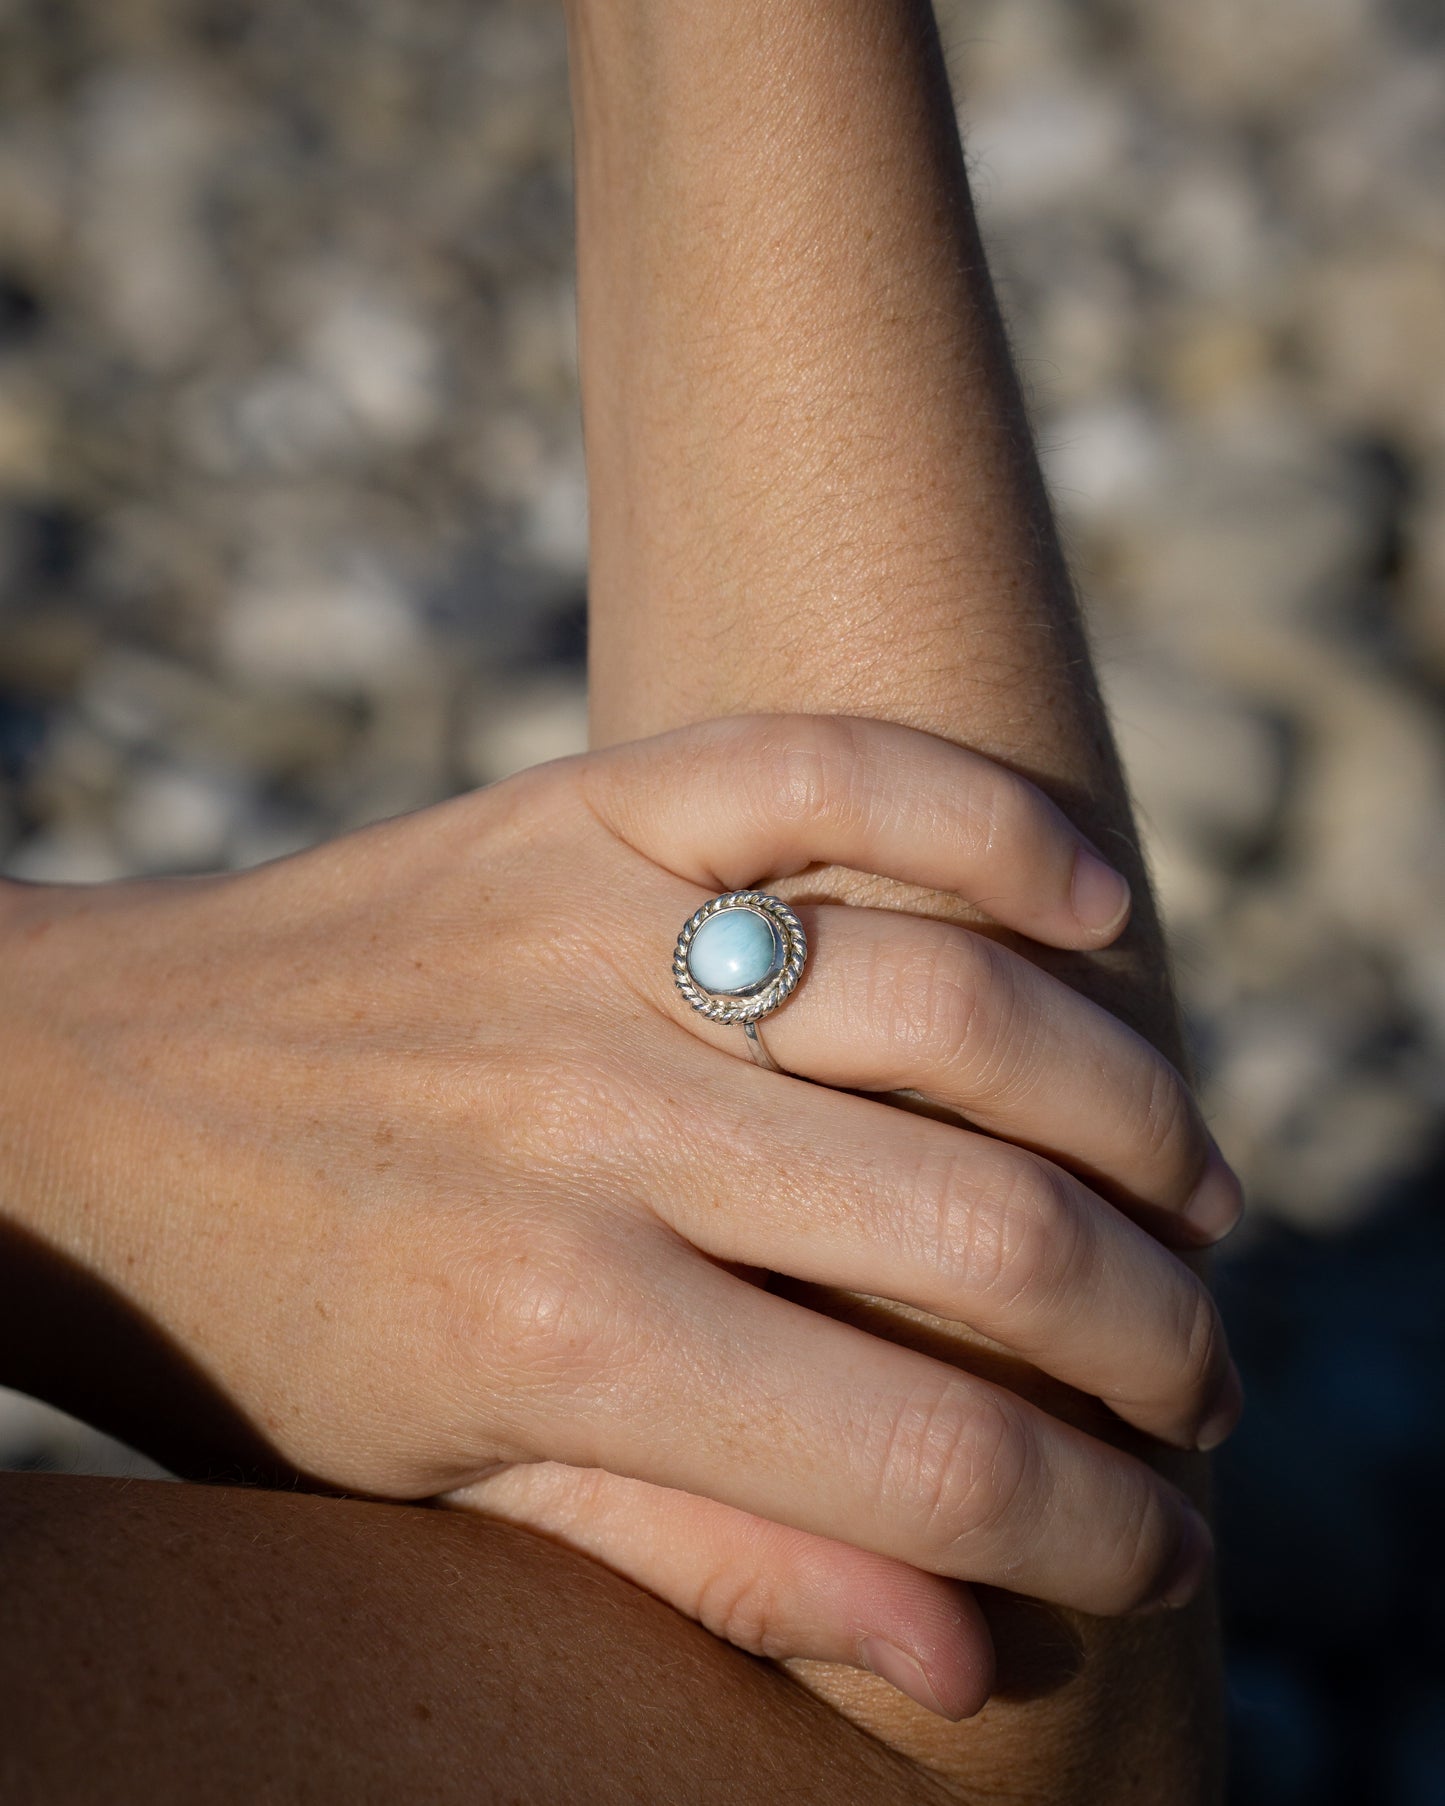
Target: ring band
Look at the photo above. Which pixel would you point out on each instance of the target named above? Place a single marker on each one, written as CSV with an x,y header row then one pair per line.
x,y
757,1050
738,958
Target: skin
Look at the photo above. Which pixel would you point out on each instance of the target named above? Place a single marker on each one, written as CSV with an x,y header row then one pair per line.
x,y
159,1092
492,1250
197,1646
829,499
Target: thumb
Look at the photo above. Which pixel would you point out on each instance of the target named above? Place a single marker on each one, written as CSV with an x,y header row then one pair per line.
x,y
769,1589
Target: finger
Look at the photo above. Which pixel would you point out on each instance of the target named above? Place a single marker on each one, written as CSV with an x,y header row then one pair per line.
x,y
893,1001
690,1378
733,802
849,1192
771,1590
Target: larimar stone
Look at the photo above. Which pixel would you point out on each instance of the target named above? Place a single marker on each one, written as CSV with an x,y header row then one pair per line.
x,y
735,952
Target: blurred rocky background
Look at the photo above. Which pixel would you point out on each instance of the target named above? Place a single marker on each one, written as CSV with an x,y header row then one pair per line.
x,y
292,536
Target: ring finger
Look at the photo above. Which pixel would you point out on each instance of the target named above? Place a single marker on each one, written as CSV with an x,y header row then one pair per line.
x,y
892,1001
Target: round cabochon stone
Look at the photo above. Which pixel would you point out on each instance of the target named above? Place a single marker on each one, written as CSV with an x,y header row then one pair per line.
x,y
735,951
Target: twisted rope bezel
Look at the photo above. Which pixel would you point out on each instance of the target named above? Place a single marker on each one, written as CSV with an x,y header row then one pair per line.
x,y
743,1009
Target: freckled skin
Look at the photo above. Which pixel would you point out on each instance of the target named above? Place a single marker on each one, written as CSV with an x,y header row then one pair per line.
x,y
836,503
828,500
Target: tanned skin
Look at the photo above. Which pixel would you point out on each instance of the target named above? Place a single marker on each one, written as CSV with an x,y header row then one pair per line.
x,y
813,488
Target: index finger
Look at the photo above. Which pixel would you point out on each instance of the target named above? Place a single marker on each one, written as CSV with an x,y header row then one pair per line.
x,y
733,802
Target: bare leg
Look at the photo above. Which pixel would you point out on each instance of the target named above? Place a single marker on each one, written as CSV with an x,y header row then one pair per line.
x,y
813,487
188,1644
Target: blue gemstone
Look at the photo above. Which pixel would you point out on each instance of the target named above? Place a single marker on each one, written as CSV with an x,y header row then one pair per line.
x,y
735,952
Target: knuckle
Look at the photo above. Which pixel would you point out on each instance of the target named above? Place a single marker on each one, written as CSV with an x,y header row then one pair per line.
x,y
1002,809
741,1606
806,763
1143,1541
549,1324
1202,1341
957,1463
1166,1114
931,998
1021,1242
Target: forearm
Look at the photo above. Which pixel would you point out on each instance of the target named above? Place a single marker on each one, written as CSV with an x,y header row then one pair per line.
x,y
813,487
812,479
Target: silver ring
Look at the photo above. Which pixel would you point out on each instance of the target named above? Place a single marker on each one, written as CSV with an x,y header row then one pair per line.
x,y
739,973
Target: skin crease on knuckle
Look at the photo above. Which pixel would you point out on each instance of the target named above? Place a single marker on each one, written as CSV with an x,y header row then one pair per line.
x,y
1206,1356
546,1320
975,1033
1145,1533
979,1233
928,1001
1012,1240
1000,812
1025,1239
1043,1261
575,1147
741,1606
807,769
562,1328
1169,1125
957,1011
954,1467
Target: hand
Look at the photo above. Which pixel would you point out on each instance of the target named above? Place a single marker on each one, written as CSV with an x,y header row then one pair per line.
x,y
410,1144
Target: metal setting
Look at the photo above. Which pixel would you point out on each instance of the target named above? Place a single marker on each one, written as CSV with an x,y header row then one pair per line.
x,y
745,1009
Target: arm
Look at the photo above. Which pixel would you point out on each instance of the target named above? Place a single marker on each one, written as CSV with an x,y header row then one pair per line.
x,y
174,1645
317,1190
813,487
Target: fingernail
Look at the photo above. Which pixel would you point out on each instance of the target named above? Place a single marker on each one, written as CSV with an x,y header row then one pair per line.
x,y
1228,1408
1196,1550
1100,895
903,1671
1217,1202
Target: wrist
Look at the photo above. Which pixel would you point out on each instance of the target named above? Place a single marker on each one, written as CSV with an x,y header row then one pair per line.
x,y
64,1131
74,1330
